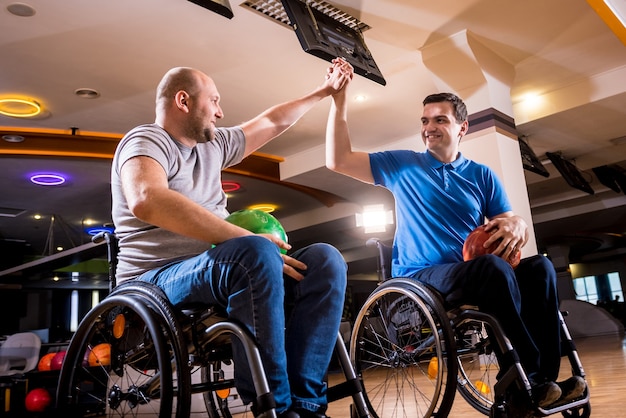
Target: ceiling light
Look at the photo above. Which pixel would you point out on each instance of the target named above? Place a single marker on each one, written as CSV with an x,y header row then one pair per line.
x,y
230,186
87,93
47,179
21,9
13,138
265,207
95,230
19,108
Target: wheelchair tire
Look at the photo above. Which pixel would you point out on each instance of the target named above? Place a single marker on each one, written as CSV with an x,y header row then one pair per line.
x,y
583,411
403,350
144,370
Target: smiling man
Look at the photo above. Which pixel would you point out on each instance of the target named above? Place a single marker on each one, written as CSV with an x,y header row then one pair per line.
x,y
441,196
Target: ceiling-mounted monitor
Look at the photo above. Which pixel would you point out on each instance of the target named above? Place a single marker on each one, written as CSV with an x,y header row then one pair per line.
x,y
327,38
529,159
570,173
221,7
611,178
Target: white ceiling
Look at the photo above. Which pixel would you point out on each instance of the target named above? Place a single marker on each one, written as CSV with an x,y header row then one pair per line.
x,y
560,50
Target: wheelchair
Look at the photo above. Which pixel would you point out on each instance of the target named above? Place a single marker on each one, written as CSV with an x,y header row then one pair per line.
x,y
412,353
134,354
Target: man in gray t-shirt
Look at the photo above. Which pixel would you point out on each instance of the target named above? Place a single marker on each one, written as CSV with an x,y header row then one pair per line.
x,y
169,210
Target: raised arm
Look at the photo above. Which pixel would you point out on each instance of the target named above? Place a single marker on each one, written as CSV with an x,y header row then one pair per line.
x,y
277,119
339,155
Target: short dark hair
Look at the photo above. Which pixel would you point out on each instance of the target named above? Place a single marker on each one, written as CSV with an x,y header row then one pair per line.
x,y
460,110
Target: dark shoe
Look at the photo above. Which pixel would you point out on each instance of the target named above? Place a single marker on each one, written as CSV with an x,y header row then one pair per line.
x,y
304,413
572,388
289,414
546,394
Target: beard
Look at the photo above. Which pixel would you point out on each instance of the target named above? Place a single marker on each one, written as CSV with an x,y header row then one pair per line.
x,y
198,129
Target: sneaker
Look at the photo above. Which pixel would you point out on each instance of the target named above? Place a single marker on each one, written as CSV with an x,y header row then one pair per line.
x,y
546,394
572,388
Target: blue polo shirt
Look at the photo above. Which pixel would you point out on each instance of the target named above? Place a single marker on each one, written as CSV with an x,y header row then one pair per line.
x,y
437,205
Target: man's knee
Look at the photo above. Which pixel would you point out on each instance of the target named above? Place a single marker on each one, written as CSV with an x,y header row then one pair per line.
x,y
254,243
324,257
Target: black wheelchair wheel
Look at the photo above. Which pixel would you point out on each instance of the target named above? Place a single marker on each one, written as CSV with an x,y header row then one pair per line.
x,y
583,411
403,350
123,362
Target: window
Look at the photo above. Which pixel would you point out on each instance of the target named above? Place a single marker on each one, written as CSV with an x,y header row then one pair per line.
x,y
616,286
603,287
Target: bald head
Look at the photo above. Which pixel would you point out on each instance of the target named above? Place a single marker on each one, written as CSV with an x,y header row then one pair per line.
x,y
187,105
175,80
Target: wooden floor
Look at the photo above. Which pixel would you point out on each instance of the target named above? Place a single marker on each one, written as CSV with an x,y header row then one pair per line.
x,y
604,362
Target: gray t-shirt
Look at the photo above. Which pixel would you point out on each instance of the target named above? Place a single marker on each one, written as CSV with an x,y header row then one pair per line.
x,y
194,172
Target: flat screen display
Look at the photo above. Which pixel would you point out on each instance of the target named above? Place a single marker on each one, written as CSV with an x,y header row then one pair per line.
x,y
530,160
327,38
570,173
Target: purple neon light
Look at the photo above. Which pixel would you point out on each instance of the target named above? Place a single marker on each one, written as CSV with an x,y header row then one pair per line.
x,y
48,179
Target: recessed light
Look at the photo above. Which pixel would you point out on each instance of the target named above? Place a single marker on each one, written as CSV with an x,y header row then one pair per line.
x,y
21,9
87,93
13,138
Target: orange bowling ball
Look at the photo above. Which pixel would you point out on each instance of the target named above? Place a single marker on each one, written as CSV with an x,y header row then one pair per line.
x,y
45,362
100,355
473,246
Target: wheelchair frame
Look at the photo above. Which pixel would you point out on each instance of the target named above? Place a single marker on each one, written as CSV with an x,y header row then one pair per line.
x,y
153,351
393,351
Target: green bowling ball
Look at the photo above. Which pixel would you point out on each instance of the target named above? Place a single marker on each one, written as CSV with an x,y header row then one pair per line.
x,y
258,222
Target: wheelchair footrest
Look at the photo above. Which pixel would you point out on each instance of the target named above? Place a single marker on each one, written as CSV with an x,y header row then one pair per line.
x,y
344,389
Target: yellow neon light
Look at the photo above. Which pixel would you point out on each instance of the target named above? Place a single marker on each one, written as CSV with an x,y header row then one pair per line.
x,y
265,207
8,108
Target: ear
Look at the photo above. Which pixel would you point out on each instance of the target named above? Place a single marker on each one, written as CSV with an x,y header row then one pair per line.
x,y
464,128
182,100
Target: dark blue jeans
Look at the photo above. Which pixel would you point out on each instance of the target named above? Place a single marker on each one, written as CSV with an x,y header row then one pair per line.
x,y
295,323
524,301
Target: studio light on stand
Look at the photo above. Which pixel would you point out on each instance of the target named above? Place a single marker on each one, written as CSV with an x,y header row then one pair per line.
x,y
374,218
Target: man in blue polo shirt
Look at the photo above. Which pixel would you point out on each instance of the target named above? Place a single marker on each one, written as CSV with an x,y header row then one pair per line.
x,y
441,196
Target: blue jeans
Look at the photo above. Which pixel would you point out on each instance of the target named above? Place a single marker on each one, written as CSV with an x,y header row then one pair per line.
x,y
295,323
524,301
